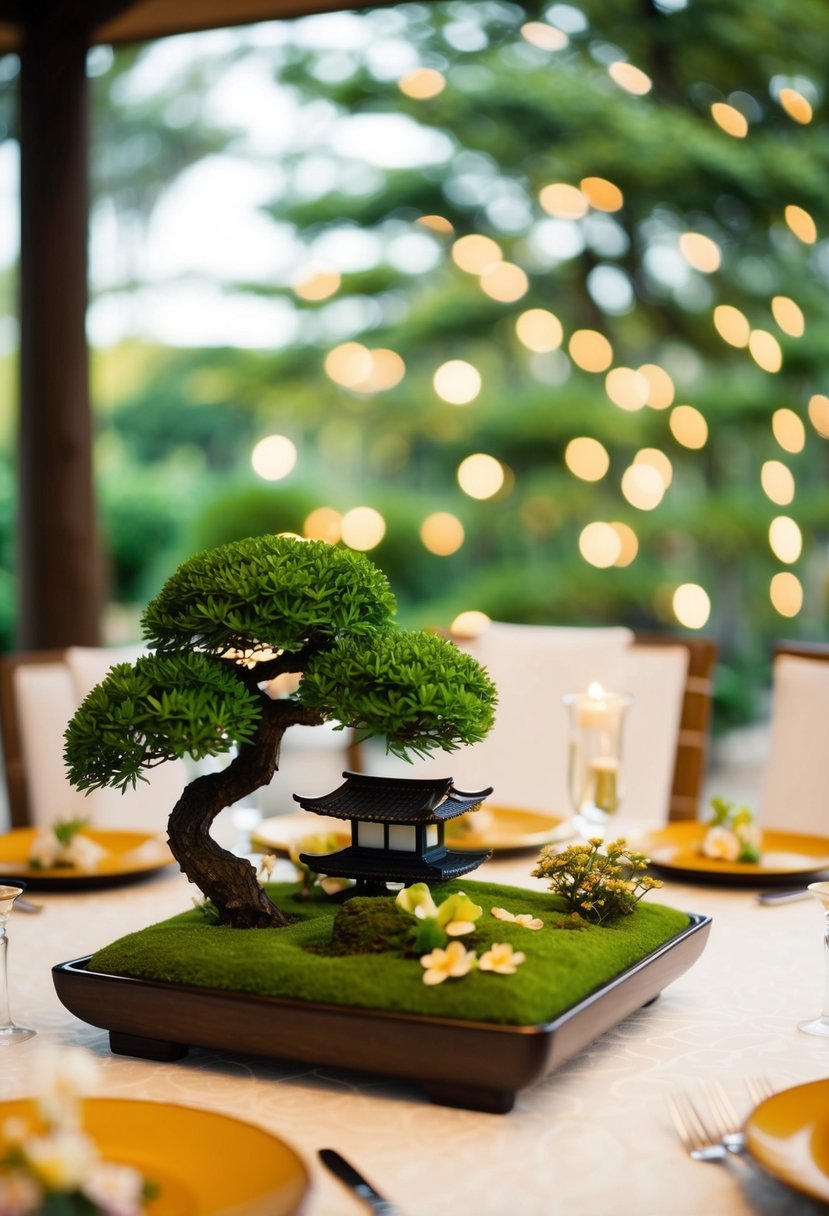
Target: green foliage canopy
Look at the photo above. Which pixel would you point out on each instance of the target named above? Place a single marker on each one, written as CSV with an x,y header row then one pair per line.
x,y
230,619
416,688
268,592
158,709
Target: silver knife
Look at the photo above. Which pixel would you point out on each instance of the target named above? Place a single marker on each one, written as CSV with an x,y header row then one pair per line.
x,y
358,1184
782,897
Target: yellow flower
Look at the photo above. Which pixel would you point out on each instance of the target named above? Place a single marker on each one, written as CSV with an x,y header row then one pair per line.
x,y
451,963
417,901
501,958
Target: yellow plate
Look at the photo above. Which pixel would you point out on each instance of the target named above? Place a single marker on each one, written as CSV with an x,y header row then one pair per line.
x,y
498,828
784,856
129,855
504,829
203,1163
788,1135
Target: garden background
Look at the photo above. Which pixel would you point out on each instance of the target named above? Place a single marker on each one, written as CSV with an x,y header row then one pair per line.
x,y
527,301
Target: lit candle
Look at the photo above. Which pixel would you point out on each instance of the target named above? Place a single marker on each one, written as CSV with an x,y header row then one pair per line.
x,y
593,708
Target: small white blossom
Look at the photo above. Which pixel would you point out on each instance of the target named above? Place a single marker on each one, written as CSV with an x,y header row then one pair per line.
x,y
452,963
61,1076
501,958
44,850
83,853
267,865
525,919
116,1189
61,1161
721,844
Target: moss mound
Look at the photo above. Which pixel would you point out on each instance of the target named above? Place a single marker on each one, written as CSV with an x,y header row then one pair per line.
x,y
371,925
560,969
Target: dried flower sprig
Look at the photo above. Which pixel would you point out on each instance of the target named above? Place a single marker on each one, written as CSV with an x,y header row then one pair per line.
x,y
597,880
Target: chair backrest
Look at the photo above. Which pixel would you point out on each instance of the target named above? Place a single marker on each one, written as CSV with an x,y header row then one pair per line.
x,y
39,693
46,671
525,755
694,735
795,789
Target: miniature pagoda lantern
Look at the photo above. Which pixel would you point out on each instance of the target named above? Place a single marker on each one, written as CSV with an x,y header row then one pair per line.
x,y
397,830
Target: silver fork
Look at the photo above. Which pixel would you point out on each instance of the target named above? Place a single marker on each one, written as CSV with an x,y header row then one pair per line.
x,y
720,1134
696,1137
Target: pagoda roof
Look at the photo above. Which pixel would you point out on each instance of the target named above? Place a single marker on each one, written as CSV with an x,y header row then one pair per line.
x,y
394,799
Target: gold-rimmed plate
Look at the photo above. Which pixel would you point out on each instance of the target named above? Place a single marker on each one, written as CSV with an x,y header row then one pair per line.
x,y
788,1136
128,856
676,851
505,829
186,1153
502,829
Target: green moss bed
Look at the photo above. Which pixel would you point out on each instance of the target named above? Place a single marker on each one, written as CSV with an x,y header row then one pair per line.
x,y
565,961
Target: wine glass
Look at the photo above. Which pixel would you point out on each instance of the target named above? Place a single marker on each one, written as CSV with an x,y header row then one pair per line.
x,y
9,1032
595,756
820,1025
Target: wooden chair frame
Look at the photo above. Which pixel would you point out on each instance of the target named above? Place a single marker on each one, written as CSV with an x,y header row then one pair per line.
x,y
16,783
17,786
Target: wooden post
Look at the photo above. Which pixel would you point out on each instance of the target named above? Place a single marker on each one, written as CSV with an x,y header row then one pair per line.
x,y
59,565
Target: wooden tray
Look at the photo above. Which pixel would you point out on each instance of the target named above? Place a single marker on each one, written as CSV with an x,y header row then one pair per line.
x,y
478,1065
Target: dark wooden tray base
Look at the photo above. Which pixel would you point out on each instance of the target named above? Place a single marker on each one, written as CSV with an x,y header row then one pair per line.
x,y
477,1065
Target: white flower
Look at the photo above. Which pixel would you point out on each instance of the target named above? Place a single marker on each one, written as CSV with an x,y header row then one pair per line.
x,y
525,919
266,865
116,1189
501,958
451,963
83,853
61,1077
63,1160
721,844
44,850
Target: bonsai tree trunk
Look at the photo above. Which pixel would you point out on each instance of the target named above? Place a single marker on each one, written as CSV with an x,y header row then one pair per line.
x,y
230,882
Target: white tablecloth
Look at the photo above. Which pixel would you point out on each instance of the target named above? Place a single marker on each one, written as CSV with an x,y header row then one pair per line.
x,y
590,1140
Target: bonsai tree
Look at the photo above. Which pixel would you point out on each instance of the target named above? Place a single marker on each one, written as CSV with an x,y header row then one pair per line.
x,y
223,627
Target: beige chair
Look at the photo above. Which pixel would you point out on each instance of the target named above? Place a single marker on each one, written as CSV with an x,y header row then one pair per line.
x,y
525,755
39,693
795,789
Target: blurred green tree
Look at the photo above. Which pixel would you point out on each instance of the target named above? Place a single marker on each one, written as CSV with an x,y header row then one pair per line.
x,y
609,216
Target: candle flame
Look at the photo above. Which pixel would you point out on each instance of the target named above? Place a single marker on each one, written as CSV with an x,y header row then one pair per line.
x,y
595,691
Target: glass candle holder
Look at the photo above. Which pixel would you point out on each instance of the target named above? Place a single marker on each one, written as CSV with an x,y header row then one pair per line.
x,y
10,1032
596,718
820,1024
